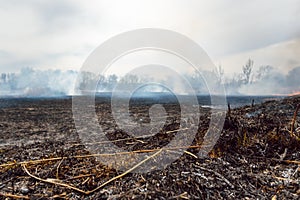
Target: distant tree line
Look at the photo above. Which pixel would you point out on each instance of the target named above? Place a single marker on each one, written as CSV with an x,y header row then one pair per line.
x,y
265,78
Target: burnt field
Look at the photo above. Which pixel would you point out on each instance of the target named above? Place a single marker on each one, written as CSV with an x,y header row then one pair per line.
x,y
42,156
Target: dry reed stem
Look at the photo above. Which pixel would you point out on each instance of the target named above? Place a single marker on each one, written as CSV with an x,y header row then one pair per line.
x,y
128,171
286,179
99,155
191,154
57,169
52,181
14,196
229,109
58,182
80,176
173,131
291,161
294,120
122,153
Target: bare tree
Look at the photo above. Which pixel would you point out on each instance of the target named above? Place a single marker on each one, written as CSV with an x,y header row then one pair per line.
x,y
3,78
219,72
112,81
129,79
263,71
88,81
247,70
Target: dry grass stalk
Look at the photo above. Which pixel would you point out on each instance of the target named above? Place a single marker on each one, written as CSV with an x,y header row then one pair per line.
x,y
52,181
191,154
98,155
13,196
58,182
294,120
229,109
57,169
127,172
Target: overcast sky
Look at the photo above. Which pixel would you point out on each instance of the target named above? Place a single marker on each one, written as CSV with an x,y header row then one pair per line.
x,y
62,33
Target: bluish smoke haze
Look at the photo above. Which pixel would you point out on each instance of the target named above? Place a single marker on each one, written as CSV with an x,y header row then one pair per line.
x,y
44,83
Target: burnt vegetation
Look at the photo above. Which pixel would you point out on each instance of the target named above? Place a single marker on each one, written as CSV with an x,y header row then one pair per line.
x,y
256,156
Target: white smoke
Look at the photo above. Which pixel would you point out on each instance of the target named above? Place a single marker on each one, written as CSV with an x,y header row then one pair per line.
x,y
30,82
273,83
45,83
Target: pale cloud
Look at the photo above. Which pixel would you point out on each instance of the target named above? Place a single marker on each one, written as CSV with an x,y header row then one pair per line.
x,y
284,56
61,34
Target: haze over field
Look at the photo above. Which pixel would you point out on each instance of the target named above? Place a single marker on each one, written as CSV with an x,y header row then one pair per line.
x,y
29,82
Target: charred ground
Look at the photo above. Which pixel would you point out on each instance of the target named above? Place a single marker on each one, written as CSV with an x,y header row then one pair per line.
x,y
257,155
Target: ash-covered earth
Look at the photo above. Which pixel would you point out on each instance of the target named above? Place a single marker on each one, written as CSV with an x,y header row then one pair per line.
x,y
256,157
